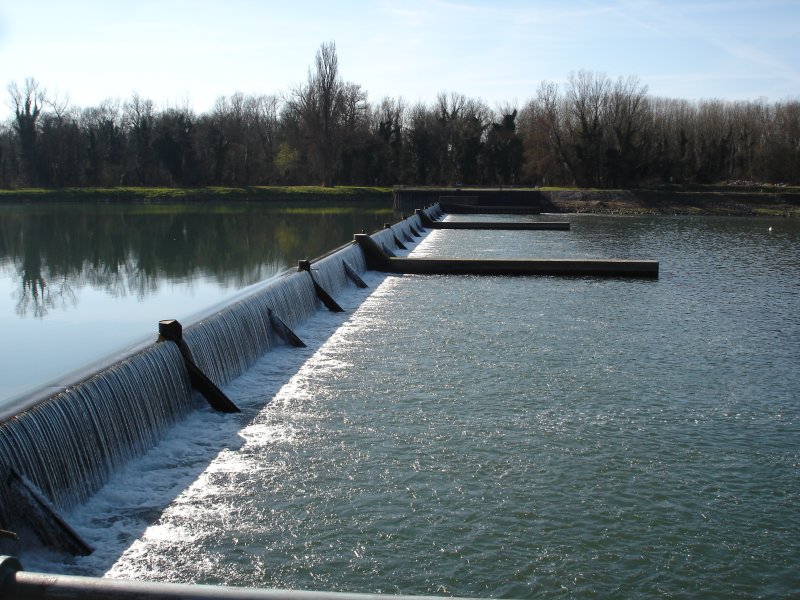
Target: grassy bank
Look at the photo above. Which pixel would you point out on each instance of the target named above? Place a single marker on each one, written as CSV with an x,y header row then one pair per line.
x,y
197,194
746,200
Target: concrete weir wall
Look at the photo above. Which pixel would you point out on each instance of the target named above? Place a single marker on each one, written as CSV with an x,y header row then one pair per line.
x,y
59,445
408,199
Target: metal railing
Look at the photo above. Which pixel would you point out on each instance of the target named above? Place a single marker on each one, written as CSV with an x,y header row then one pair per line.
x,y
23,585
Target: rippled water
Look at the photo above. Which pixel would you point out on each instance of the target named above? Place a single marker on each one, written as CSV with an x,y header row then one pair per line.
x,y
512,437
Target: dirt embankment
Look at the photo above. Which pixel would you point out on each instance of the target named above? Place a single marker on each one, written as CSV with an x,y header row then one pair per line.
x,y
669,202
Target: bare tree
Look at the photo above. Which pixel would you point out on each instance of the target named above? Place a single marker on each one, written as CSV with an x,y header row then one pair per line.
x,y
264,122
354,134
61,147
387,123
714,132
626,118
103,128
139,120
586,100
543,129
230,117
27,105
424,153
319,107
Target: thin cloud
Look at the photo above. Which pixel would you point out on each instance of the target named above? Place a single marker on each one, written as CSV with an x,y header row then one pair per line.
x,y
675,22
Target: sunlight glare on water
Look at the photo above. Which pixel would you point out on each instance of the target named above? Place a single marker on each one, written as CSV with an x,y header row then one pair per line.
x,y
516,437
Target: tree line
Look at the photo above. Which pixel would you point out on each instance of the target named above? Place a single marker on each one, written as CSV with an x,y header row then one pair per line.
x,y
592,131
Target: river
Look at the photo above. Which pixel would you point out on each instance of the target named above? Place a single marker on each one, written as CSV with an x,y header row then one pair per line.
x,y
526,437
79,282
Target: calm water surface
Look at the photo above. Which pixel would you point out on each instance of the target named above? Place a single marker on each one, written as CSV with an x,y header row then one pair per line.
x,y
527,437
78,282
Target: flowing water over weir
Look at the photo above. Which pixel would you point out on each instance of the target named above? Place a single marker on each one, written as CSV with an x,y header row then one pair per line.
x,y
477,436
63,448
69,445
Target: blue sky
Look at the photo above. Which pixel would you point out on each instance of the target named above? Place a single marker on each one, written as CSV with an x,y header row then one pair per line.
x,y
193,51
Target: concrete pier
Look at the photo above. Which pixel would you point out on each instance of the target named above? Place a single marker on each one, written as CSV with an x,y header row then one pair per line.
x,y
493,225
499,225
471,199
380,261
526,266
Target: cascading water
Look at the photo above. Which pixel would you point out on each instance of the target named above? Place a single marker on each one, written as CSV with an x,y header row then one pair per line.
x,y
69,444
227,343
330,272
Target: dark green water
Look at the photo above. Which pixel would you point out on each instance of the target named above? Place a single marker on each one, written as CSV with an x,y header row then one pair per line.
x,y
78,282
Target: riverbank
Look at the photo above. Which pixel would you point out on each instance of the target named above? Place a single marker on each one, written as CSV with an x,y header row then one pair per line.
x,y
148,195
732,200
711,200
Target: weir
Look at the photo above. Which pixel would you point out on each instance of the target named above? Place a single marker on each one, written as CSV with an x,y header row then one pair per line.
x,y
473,200
172,330
64,444
61,447
378,259
494,225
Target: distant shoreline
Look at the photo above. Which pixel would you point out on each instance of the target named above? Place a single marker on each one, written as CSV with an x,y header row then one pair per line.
x,y
700,202
671,200
155,195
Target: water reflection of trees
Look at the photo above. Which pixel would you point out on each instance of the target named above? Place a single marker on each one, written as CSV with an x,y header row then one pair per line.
x,y
36,296
132,251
